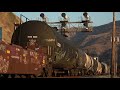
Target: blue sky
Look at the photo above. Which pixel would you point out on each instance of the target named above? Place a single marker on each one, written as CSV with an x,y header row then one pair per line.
x,y
98,18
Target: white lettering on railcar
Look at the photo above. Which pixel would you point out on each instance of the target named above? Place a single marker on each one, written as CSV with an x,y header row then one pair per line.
x,y
50,40
36,69
29,36
35,36
16,57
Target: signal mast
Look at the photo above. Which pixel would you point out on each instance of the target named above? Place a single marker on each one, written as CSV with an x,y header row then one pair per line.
x,y
86,23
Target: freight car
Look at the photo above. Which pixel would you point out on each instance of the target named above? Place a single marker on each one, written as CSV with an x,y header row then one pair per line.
x,y
14,60
63,57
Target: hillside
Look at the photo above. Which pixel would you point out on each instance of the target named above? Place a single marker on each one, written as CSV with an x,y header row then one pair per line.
x,y
98,42
7,20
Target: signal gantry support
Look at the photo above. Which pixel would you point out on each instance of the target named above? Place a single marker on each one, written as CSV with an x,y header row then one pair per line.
x,y
86,21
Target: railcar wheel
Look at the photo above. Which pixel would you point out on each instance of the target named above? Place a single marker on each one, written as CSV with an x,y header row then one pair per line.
x,y
76,72
34,76
28,76
72,72
49,72
17,76
20,75
83,72
12,75
5,75
79,73
53,74
44,72
1,75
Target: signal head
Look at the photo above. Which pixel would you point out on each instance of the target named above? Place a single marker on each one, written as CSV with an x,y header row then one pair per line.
x,y
42,15
63,15
85,13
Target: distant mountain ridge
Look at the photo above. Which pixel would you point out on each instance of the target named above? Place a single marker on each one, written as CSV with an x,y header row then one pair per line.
x,y
98,42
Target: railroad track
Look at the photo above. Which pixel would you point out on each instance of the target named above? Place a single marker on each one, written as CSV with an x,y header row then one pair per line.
x,y
99,76
87,76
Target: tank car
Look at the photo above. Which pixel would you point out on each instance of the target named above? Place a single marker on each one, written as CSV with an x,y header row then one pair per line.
x,y
63,57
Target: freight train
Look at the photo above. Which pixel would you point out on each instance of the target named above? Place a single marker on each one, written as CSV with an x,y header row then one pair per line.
x,y
62,56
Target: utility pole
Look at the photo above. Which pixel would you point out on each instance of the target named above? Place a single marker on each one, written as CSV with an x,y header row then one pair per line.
x,y
113,61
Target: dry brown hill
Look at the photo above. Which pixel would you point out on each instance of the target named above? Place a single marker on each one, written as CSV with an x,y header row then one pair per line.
x,y
98,42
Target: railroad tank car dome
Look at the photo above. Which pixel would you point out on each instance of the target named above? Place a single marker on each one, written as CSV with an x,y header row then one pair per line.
x,y
32,28
40,29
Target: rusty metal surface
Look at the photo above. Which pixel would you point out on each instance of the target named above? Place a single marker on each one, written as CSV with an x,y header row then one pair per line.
x,y
16,60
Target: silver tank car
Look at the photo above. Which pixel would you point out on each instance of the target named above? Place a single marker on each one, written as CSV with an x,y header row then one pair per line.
x,y
105,68
97,67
